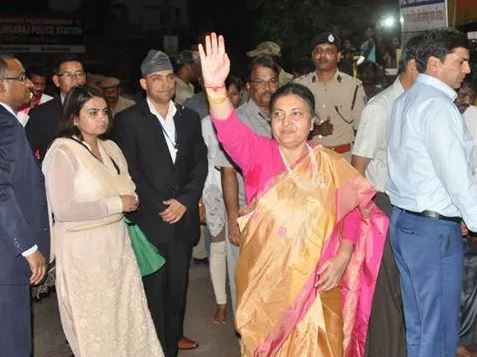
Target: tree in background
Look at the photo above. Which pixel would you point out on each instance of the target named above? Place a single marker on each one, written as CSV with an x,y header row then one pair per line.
x,y
293,23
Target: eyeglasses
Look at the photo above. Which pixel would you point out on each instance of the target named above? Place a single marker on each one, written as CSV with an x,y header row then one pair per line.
x,y
260,83
70,75
22,78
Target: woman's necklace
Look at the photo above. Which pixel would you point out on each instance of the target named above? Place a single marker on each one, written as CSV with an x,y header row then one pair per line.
x,y
315,180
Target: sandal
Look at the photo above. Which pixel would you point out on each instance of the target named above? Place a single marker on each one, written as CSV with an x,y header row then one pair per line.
x,y
187,344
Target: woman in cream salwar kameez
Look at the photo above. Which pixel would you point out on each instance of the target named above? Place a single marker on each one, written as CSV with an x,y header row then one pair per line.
x,y
101,299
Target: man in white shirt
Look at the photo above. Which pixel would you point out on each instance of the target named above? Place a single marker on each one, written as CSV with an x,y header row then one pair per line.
x,y
432,189
167,160
465,99
386,328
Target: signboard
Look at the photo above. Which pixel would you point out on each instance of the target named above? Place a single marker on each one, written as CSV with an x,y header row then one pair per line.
x,y
41,48
421,15
23,33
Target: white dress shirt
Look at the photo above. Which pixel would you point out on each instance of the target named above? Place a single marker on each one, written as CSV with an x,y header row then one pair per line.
x,y
430,153
168,127
470,117
371,138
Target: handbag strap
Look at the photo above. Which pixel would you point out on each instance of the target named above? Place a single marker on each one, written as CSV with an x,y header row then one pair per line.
x,y
116,167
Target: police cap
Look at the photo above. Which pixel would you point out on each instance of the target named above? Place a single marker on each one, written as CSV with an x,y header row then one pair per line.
x,y
327,37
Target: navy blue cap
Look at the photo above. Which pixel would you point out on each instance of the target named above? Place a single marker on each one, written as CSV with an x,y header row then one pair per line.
x,y
327,37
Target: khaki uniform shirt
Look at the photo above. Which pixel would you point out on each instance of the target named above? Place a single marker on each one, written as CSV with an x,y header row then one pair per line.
x,y
284,77
183,91
342,99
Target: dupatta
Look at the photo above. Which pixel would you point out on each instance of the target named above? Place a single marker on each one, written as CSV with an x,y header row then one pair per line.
x,y
288,232
112,183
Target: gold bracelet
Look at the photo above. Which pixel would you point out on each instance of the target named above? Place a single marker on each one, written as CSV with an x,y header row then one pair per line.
x,y
217,100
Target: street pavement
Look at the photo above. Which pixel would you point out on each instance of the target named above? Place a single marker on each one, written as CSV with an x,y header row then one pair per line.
x,y
215,340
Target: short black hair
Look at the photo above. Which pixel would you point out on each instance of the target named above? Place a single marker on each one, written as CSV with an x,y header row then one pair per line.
x,y
234,80
63,59
74,102
37,69
410,51
263,61
439,43
184,57
296,89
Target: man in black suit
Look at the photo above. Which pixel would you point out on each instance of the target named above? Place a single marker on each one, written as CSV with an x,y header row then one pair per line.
x,y
42,127
167,160
24,228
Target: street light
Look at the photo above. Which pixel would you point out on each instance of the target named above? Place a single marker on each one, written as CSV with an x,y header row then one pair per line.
x,y
388,22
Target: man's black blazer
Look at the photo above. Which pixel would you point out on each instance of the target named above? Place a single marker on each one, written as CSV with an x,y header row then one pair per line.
x,y
23,207
42,127
139,134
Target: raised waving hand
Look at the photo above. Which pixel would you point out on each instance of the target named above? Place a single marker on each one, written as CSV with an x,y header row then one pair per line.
x,y
214,61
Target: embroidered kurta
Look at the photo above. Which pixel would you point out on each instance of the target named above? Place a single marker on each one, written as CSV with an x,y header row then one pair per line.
x,y
101,299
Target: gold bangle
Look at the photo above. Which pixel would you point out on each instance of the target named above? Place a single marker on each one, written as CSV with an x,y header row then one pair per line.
x,y
217,100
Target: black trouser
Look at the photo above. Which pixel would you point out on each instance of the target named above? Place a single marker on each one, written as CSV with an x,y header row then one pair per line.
x,y
386,333
166,292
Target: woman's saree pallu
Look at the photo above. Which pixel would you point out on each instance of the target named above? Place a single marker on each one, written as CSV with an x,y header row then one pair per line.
x,y
288,232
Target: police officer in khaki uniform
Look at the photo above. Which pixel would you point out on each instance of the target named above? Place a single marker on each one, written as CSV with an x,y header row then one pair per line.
x,y
187,70
339,97
116,102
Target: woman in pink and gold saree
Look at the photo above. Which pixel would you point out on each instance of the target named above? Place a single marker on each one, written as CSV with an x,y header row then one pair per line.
x,y
311,238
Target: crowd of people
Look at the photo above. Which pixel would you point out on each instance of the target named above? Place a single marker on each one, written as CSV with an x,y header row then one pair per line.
x,y
336,209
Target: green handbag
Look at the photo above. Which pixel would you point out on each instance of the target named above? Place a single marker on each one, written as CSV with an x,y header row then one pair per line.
x,y
147,256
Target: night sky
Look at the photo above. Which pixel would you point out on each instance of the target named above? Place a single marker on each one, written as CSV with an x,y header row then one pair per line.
x,y
244,23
